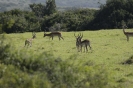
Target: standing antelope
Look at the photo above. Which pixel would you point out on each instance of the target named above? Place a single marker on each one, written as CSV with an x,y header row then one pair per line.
x,y
28,42
80,44
77,42
52,34
128,34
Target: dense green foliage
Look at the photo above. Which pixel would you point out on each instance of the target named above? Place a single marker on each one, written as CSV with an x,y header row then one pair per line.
x,y
113,13
46,17
22,21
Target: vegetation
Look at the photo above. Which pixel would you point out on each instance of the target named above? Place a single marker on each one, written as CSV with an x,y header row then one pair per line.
x,y
46,18
113,13
23,5
23,69
57,64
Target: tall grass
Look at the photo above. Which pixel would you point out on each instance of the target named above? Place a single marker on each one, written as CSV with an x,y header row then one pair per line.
x,y
57,64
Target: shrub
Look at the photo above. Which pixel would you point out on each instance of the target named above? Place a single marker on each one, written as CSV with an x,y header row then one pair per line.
x,y
24,70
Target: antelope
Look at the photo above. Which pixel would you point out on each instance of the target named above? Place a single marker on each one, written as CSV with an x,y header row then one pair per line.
x,y
28,42
52,34
77,42
128,34
80,43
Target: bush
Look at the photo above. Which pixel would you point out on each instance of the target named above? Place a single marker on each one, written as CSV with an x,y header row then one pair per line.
x,y
24,70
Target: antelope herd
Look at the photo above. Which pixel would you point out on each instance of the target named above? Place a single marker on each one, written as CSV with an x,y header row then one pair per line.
x,y
79,42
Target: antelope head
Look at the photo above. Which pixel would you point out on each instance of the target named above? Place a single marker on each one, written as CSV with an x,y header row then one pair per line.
x,y
33,35
78,37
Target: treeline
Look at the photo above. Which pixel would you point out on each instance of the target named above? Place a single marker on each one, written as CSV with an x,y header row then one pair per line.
x,y
114,14
46,17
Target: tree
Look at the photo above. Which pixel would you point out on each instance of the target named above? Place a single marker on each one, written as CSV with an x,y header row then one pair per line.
x,y
38,9
112,14
50,7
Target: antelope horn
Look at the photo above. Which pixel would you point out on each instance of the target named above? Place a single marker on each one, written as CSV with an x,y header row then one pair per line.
x,y
33,33
75,35
81,35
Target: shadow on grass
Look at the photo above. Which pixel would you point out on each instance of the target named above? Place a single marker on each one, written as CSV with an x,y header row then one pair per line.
x,y
129,61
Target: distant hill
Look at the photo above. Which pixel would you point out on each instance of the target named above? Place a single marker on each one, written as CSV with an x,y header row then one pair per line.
x,y
11,4
24,4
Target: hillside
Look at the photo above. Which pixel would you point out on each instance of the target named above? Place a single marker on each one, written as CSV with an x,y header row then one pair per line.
x,y
24,4
6,5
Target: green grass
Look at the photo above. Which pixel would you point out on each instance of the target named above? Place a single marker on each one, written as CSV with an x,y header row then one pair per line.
x,y
109,50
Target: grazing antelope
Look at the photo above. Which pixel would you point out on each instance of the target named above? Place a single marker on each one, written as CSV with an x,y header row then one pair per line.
x,y
128,34
28,42
80,43
52,34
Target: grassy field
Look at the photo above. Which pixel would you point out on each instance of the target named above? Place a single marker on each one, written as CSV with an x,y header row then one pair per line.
x,y
109,50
